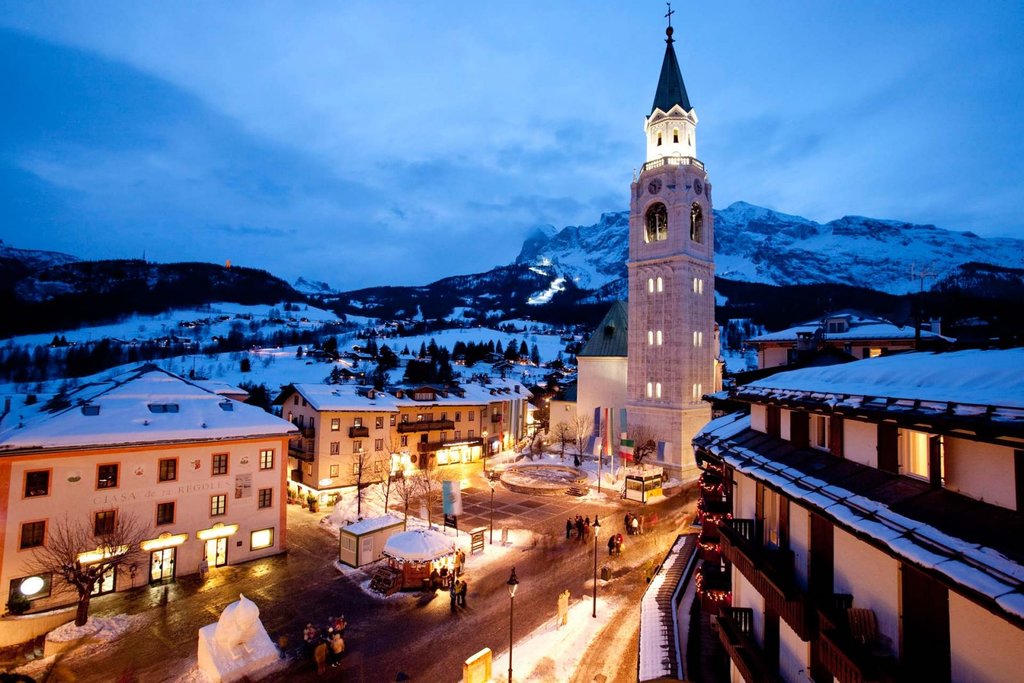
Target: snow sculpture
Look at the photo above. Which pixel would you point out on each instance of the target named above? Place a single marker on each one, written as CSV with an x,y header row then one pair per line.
x,y
237,646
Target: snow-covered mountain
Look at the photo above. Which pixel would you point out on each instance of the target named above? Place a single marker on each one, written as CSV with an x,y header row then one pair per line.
x,y
314,288
755,244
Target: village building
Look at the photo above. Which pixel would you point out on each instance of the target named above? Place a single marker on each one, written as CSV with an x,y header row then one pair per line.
x,y
850,332
351,434
203,473
865,521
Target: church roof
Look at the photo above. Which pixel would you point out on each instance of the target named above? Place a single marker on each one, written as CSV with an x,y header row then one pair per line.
x,y
609,339
671,90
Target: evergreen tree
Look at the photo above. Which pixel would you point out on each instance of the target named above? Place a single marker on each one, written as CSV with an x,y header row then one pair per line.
x,y
535,355
299,352
523,350
245,365
496,348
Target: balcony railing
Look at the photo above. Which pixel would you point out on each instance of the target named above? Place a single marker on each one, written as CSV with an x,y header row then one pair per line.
x,y
424,426
852,655
770,571
301,449
496,418
736,631
307,432
358,432
433,446
673,161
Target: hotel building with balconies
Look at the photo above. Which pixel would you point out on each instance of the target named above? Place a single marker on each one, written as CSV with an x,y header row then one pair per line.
x,y
865,522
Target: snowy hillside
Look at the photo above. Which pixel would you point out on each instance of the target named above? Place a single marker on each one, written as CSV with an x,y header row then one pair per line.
x,y
755,244
33,259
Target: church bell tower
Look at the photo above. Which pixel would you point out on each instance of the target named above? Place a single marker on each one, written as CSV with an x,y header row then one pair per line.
x,y
671,280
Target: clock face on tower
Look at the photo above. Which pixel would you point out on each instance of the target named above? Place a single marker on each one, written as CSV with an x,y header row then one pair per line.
x,y
698,186
654,187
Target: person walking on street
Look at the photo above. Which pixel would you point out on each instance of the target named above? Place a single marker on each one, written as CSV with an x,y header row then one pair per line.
x,y
337,648
634,525
586,528
579,528
453,593
611,545
568,528
460,562
463,589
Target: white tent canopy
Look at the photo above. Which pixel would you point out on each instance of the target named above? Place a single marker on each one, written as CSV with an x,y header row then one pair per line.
x,y
419,545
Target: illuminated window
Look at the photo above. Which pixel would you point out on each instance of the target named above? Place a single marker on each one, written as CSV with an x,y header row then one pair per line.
x,y
392,420
335,424
650,390
106,477
168,469
913,450
357,422
309,469
335,447
103,522
335,470
405,441
378,444
379,422
218,505
263,538
675,135
357,446
164,513
220,463
698,285
267,459
656,224
659,337
659,139
266,498
698,391
770,514
657,390
650,338
661,285
650,285
32,534
37,483
698,338
819,432
874,353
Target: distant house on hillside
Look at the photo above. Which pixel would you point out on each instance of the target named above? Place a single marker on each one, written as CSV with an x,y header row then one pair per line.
x,y
859,335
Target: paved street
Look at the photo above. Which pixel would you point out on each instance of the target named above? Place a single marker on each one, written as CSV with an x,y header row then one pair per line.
x,y
415,634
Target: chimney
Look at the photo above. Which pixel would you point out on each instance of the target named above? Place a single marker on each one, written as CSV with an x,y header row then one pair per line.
x,y
935,325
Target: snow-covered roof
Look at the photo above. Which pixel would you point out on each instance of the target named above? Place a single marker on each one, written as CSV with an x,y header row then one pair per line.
x,y
978,568
658,657
342,397
986,378
220,388
145,405
371,524
419,545
860,328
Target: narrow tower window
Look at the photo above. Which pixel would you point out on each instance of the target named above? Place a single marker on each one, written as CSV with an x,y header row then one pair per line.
x,y
650,285
661,285
657,390
659,139
659,337
650,338
675,135
650,390
657,223
696,223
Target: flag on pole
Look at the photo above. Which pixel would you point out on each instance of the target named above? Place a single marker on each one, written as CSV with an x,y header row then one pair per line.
x,y
626,449
622,421
451,497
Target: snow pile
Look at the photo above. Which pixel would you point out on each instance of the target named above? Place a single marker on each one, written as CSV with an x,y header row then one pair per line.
x,y
98,628
348,511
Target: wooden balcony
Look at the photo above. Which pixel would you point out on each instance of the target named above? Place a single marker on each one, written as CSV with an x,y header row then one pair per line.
x,y
736,631
851,651
358,432
495,418
771,572
307,432
424,426
300,449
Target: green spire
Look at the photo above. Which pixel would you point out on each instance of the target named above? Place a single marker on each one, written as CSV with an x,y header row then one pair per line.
x,y
671,90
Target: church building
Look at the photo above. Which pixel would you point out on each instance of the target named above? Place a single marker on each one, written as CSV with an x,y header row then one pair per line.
x,y
671,355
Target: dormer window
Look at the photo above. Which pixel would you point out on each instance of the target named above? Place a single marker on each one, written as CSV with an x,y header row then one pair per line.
x,y
163,407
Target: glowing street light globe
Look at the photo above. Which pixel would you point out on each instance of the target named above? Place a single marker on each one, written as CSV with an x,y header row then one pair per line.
x,y
32,585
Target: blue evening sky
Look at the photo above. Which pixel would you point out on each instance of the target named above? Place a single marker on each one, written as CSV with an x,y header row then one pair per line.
x,y
367,143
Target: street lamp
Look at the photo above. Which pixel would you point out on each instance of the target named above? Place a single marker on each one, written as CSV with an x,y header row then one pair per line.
x,y
492,481
596,527
511,584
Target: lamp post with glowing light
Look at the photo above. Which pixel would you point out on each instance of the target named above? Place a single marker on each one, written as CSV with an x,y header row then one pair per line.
x,y
511,584
596,527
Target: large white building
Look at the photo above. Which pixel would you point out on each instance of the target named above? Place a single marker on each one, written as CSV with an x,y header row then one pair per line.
x,y
203,473
671,358
865,522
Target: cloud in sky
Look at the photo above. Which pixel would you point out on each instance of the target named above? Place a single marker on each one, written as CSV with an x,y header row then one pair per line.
x,y
366,144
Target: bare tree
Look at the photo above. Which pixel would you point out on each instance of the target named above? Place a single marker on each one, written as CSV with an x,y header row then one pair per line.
x,y
581,427
428,485
81,554
563,436
645,442
382,462
363,460
405,491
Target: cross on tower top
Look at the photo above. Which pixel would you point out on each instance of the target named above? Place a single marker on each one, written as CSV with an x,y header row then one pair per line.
x,y
668,15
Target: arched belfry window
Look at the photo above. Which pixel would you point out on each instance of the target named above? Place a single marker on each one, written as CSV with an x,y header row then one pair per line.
x,y
675,135
696,223
656,223
659,138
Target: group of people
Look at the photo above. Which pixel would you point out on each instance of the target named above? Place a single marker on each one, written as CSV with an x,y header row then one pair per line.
x,y
444,578
457,591
581,527
325,645
633,524
615,544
